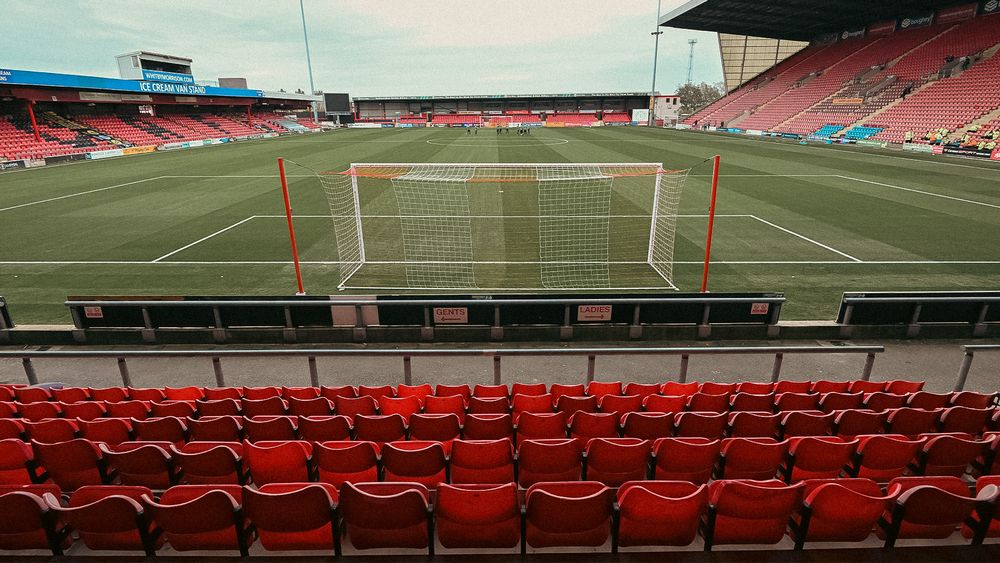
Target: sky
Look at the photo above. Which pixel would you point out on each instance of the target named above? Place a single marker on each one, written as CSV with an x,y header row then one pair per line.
x,y
369,47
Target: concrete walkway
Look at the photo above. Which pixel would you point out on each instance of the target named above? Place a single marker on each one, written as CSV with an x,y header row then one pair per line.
x,y
936,362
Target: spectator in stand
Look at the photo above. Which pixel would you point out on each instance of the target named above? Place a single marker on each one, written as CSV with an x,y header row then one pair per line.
x,y
908,137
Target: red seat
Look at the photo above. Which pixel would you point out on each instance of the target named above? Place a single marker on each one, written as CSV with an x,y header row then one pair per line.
x,y
858,422
559,389
338,391
660,512
110,518
928,401
965,420
708,402
269,428
749,512
286,462
17,464
531,404
883,457
841,510
11,429
421,392
343,461
478,516
835,401
294,516
26,523
32,394
992,530
973,400
376,392
750,458
490,391
179,409
38,411
665,403
817,457
602,388
378,428
753,424
271,406
403,406
947,455
386,515
567,514
448,390
823,386
700,424
613,461
316,406
203,517
862,386
449,404
548,460
647,425
570,405
352,407
415,462
807,423
165,429
751,402
435,427
587,425
482,461
533,425
138,410
796,401
488,427
51,430
324,428
489,405
685,459
931,508
84,410
108,394
72,464
621,404
300,393
680,389
210,463
219,407
786,386
884,401
527,389
111,431
190,393
215,429
144,465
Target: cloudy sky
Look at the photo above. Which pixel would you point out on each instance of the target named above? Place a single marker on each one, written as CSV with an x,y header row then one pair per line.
x,y
369,47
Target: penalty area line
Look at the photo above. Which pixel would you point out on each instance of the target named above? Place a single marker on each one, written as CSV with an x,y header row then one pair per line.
x,y
202,239
807,239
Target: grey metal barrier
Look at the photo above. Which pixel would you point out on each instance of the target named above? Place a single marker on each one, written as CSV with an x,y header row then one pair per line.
x,y
685,353
982,305
970,353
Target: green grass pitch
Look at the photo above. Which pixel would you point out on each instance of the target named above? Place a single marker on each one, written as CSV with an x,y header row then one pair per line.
x,y
812,221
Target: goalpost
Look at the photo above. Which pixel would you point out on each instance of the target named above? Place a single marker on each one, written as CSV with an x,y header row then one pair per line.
x,y
458,226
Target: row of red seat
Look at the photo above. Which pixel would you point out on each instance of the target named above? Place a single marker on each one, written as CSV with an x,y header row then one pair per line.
x,y
76,463
302,516
547,403
527,425
32,394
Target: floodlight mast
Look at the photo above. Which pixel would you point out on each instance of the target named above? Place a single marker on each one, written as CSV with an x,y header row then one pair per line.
x,y
312,86
656,51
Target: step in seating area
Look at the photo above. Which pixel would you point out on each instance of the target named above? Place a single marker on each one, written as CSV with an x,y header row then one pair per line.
x,y
603,466
17,140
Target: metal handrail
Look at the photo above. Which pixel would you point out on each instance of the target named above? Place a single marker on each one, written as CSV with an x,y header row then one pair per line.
x,y
685,353
970,352
962,299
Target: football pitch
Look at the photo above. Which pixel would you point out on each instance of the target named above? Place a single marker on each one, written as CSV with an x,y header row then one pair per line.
x,y
811,221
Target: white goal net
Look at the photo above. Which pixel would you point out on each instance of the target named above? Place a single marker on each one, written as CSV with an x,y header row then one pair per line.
x,y
505,226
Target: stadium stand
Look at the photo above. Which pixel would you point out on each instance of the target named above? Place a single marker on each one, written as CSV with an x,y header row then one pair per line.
x,y
617,118
17,141
572,119
456,119
176,455
913,80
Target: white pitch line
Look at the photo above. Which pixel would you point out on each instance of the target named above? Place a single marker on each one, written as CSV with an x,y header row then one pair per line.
x,y
963,200
401,288
79,194
203,239
807,239
492,216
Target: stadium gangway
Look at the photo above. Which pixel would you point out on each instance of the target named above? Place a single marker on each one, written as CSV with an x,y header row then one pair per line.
x,y
774,302
685,353
970,353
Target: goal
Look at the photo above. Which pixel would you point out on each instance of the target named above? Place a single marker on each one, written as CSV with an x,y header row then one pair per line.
x,y
467,226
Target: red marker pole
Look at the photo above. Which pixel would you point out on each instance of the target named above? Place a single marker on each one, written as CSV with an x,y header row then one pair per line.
x,y
711,225
291,226
31,115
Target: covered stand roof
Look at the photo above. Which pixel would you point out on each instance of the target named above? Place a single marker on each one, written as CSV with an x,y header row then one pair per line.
x,y
800,20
